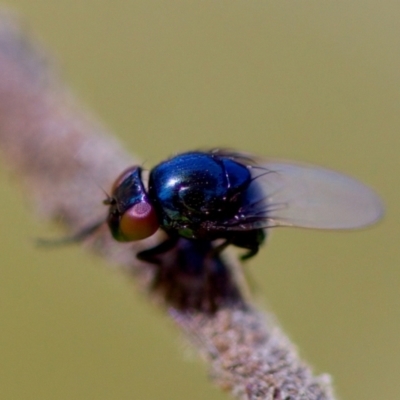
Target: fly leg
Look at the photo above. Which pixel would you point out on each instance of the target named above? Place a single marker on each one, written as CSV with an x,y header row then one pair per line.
x,y
249,240
217,250
74,238
152,255
251,253
252,247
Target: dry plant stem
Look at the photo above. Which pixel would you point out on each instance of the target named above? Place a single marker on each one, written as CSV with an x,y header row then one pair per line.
x,y
61,156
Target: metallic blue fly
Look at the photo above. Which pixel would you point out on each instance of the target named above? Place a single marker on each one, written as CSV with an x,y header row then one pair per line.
x,y
205,196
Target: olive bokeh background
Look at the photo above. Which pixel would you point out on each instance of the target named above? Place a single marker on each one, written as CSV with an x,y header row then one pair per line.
x,y
315,81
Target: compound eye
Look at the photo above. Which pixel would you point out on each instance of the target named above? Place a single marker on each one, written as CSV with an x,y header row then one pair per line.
x,y
123,176
138,222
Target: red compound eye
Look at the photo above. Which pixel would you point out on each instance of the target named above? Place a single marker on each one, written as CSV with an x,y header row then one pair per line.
x,y
138,222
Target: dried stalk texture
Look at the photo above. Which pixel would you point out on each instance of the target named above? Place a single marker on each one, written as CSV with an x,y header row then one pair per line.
x,y
62,157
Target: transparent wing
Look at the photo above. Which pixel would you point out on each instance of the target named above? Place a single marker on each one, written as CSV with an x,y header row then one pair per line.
x,y
286,194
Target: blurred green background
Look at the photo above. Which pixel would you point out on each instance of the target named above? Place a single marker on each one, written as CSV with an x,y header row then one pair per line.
x,y
316,81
